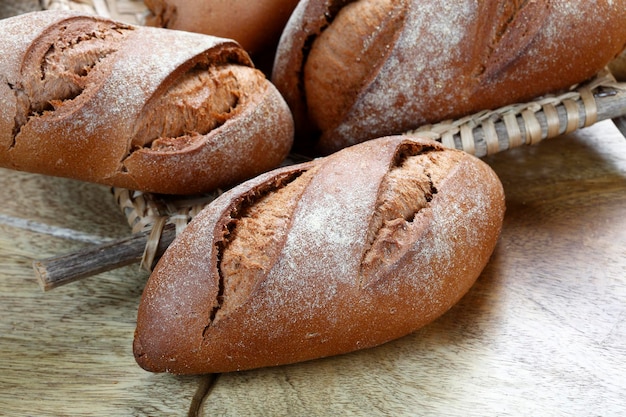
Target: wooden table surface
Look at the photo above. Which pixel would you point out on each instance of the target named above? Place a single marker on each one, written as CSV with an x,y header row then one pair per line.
x,y
543,331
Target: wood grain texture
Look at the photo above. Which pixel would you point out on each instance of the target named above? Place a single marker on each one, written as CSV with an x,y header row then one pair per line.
x,y
543,332
68,352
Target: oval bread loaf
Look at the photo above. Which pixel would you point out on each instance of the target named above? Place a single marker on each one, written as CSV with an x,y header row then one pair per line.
x,y
342,253
135,107
357,70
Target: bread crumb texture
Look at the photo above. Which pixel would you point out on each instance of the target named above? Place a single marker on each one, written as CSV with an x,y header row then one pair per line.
x,y
202,99
253,239
59,66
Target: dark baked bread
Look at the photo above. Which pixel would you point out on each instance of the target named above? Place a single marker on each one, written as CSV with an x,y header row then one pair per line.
x,y
256,25
142,108
353,71
342,253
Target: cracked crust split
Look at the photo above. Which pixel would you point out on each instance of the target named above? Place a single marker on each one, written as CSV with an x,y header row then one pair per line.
x,y
402,207
62,65
341,253
253,237
151,109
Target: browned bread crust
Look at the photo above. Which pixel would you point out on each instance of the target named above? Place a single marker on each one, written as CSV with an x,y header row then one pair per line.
x,y
342,253
256,25
141,108
358,70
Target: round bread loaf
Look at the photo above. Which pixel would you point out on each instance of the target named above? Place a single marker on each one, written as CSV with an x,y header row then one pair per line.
x,y
342,253
353,71
256,25
135,107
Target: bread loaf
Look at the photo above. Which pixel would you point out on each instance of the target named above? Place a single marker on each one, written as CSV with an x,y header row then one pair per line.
x,y
353,71
135,107
342,253
256,25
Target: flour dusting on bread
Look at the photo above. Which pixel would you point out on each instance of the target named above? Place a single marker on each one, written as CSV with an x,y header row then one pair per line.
x,y
342,253
136,107
254,239
446,60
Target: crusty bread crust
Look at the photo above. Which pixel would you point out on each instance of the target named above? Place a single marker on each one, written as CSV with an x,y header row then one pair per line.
x,y
445,60
338,254
83,97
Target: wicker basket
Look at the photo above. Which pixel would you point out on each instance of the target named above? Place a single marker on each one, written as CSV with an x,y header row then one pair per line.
x,y
157,219
481,134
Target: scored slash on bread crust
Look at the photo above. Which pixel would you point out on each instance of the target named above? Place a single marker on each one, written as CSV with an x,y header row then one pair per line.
x,y
249,245
405,191
134,107
337,254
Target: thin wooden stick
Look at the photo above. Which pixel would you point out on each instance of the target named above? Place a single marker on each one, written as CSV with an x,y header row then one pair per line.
x,y
60,270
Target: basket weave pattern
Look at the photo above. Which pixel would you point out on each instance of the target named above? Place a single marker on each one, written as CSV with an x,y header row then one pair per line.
x,y
523,123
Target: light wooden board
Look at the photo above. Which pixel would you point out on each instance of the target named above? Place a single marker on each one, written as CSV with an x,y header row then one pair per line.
x,y
68,352
543,332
